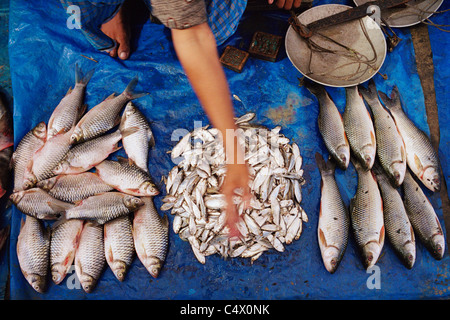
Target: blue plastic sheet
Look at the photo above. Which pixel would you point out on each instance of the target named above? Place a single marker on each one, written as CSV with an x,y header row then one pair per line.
x,y
43,54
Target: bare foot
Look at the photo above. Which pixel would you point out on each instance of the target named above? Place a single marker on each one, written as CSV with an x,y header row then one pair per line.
x,y
118,29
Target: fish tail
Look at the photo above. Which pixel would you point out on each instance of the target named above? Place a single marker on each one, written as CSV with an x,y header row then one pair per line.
x,y
129,90
369,93
79,78
325,167
315,88
392,102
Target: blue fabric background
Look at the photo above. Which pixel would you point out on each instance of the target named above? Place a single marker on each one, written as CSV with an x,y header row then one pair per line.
x,y
43,53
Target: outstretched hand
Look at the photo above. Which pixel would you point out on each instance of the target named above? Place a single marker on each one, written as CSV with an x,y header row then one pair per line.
x,y
237,177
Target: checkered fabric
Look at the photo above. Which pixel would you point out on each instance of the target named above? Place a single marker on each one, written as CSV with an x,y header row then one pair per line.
x,y
222,15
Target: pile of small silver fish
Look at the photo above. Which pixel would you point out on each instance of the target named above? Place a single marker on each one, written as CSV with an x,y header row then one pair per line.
x,y
75,215
272,219
388,151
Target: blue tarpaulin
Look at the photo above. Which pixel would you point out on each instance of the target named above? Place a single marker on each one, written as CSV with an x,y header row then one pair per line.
x,y
43,53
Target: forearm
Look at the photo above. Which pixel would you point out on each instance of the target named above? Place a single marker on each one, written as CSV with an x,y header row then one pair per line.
x,y
196,49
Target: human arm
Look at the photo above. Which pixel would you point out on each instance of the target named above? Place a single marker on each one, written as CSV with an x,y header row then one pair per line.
x,y
197,51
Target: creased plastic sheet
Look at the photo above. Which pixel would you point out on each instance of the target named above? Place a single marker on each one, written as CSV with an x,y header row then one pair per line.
x,y
43,54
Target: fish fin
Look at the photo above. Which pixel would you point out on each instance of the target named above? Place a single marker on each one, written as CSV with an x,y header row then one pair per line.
x,y
57,207
69,91
418,163
165,221
128,131
382,233
322,239
403,153
111,96
129,90
122,160
392,102
372,137
79,78
62,218
82,110
151,138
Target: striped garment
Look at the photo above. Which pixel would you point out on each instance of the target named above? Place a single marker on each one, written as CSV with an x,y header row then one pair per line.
x,y
222,16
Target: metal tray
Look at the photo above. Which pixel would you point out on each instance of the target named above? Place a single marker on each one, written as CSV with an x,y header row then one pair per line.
x,y
331,68
416,12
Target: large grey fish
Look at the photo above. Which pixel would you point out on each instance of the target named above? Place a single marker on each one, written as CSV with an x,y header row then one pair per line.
x,y
30,143
137,144
423,218
90,256
359,128
46,159
104,207
74,187
420,154
390,146
33,252
84,156
334,220
119,245
126,178
366,216
104,116
71,108
64,242
397,225
331,126
151,236
39,204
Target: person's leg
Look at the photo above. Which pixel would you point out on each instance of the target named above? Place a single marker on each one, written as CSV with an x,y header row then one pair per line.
x,y
118,29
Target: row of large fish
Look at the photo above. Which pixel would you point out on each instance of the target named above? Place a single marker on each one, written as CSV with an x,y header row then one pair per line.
x,y
387,152
75,215
272,219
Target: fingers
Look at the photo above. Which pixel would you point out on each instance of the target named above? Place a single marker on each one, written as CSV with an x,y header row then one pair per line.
x,y
287,4
232,213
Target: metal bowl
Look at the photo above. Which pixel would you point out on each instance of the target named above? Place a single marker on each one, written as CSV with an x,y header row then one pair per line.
x,y
337,68
416,12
